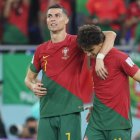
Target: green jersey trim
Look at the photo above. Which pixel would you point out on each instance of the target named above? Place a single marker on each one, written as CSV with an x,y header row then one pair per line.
x,y
32,67
58,100
105,118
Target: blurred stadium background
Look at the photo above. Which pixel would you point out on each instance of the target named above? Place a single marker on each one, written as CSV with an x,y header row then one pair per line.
x,y
23,27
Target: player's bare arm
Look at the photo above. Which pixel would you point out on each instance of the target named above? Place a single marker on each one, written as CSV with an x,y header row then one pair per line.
x,y
33,84
137,76
107,46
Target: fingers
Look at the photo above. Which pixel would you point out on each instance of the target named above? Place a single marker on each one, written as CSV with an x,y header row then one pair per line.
x,y
39,90
87,118
102,73
100,69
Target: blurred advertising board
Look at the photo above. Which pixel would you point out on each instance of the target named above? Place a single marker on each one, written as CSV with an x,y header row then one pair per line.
x,y
14,70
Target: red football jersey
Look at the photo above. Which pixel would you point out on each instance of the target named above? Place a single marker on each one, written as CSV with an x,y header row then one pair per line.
x,y
113,93
65,75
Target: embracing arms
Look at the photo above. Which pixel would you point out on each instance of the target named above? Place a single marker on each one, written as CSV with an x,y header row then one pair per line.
x,y
107,46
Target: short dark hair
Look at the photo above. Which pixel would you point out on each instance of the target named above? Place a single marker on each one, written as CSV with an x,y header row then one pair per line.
x,y
89,35
30,119
59,7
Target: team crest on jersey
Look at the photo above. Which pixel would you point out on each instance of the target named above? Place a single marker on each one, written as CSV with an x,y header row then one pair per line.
x,y
65,53
129,62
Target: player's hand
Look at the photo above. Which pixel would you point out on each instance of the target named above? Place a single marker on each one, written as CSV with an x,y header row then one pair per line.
x,y
39,90
100,69
88,115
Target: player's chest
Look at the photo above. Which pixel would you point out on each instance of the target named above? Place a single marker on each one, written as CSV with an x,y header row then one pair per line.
x,y
110,65
57,59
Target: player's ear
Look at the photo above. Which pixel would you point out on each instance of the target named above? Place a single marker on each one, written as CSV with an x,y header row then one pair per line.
x,y
67,20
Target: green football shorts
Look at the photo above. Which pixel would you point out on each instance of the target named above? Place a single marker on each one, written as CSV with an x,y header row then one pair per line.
x,y
95,134
65,127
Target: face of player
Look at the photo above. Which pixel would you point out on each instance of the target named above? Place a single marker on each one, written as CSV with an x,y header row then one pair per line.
x,y
56,20
94,50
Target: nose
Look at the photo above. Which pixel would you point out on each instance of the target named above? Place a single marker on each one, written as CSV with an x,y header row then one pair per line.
x,y
53,18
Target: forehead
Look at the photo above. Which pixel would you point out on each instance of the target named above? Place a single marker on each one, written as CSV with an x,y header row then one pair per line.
x,y
93,47
55,11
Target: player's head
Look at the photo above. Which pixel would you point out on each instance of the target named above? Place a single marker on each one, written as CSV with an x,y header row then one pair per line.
x,y
57,18
90,38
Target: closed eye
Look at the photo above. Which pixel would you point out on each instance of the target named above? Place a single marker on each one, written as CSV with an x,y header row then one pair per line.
x,y
88,50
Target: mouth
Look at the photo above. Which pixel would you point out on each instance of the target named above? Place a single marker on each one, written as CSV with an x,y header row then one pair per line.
x,y
53,24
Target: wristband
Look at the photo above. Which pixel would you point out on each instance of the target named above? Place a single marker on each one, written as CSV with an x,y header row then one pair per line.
x,y
100,56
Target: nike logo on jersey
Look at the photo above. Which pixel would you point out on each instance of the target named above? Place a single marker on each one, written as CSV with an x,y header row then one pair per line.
x,y
45,56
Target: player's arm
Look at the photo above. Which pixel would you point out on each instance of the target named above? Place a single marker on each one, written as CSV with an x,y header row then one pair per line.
x,y
33,84
7,8
137,76
107,46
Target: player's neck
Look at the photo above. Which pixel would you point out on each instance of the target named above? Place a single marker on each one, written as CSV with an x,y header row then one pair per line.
x,y
58,37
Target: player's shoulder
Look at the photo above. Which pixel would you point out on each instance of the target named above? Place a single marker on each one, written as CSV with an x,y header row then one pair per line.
x,y
72,40
42,46
117,54
72,37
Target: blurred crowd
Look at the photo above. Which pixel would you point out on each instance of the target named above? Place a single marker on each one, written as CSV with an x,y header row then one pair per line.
x,y
23,21
28,130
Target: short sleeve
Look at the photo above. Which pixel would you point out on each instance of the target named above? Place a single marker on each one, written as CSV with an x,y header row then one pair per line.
x,y
35,63
128,65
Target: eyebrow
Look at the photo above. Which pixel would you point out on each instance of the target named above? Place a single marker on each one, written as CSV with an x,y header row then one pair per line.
x,y
54,14
89,50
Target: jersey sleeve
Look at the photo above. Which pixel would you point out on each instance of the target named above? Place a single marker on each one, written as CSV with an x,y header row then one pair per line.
x,y
35,63
128,66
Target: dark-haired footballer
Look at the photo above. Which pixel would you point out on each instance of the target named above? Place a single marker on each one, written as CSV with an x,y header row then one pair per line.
x,y
110,117
62,90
